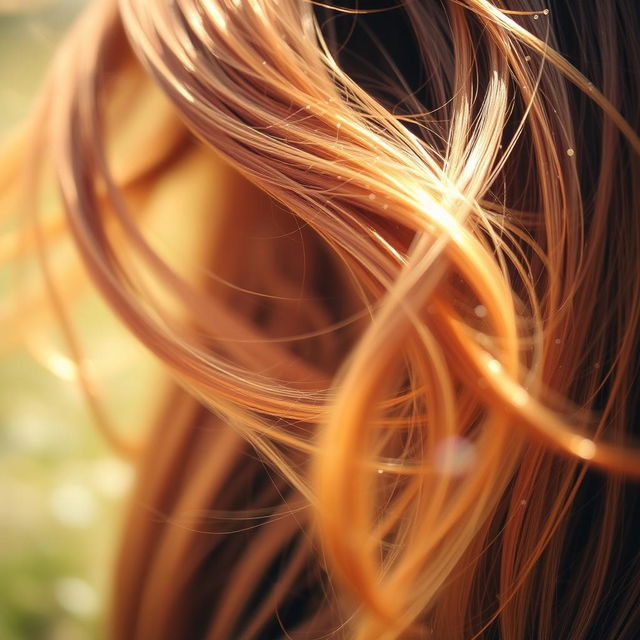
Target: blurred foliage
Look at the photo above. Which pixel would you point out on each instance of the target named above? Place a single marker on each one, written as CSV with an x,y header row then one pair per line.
x,y
29,32
61,488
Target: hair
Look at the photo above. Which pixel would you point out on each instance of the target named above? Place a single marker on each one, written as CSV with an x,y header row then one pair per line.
x,y
402,339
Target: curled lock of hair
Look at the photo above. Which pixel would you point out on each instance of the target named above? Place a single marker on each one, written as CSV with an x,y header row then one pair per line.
x,y
404,353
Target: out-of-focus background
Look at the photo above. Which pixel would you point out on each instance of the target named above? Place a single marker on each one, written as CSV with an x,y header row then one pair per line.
x,y
29,31
62,489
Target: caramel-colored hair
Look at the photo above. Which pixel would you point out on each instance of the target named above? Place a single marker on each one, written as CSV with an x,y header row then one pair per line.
x,y
403,348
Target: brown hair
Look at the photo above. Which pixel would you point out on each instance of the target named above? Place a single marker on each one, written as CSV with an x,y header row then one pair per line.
x,y
410,329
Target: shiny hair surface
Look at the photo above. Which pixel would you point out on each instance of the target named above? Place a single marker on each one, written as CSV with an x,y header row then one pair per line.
x,y
403,348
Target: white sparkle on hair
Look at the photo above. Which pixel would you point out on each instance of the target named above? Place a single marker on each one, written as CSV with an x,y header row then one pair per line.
x,y
372,196
570,151
480,311
536,16
546,12
454,456
520,397
584,448
494,366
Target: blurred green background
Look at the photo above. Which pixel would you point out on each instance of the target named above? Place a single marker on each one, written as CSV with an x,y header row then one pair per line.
x,y
62,490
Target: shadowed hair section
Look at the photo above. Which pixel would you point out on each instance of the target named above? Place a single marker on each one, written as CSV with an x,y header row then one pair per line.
x,y
402,352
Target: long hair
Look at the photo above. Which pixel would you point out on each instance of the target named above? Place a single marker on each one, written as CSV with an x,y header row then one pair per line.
x,y
403,350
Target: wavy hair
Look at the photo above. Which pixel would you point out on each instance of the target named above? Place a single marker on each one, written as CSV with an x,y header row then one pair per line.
x,y
403,348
